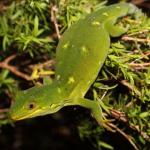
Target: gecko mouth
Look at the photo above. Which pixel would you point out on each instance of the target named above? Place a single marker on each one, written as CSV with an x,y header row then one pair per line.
x,y
35,113
21,117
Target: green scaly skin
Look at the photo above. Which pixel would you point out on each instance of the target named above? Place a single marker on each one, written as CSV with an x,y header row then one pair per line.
x,y
81,53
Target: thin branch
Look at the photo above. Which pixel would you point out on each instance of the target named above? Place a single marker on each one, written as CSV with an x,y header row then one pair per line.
x,y
145,55
4,110
54,20
139,66
118,115
131,87
127,38
17,72
8,59
122,117
144,32
138,2
126,136
5,65
44,64
2,113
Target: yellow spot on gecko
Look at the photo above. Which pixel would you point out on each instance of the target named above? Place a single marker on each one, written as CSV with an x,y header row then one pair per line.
x,y
84,49
88,82
59,90
58,77
100,62
118,7
66,45
105,14
96,23
71,80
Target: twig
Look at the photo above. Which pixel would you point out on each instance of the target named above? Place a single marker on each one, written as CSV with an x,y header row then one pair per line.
x,y
4,110
54,20
127,38
44,64
2,116
144,55
124,135
2,113
142,3
137,2
144,31
118,115
122,117
139,66
5,64
8,59
131,87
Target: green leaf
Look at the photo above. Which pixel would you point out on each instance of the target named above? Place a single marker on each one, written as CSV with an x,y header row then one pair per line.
x,y
36,26
105,145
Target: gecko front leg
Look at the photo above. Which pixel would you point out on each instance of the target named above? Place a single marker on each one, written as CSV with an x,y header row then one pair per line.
x,y
95,108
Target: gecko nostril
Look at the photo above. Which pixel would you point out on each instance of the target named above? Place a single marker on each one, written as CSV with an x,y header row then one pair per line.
x,y
53,106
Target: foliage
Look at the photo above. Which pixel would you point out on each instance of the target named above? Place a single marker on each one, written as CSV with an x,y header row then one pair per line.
x,y
24,26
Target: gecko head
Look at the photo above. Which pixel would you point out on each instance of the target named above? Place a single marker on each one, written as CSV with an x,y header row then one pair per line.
x,y
36,101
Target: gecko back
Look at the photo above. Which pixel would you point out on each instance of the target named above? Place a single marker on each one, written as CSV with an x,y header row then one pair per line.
x,y
83,48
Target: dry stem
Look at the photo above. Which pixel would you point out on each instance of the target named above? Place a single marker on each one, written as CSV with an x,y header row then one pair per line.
x,y
127,38
54,20
5,65
122,117
126,136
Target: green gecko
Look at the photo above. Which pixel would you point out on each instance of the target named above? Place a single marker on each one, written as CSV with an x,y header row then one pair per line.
x,y
81,53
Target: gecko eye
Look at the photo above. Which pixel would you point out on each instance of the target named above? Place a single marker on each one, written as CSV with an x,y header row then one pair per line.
x,y
31,105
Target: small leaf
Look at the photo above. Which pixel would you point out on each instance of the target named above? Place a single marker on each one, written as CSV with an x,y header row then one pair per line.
x,y
105,145
144,114
36,26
